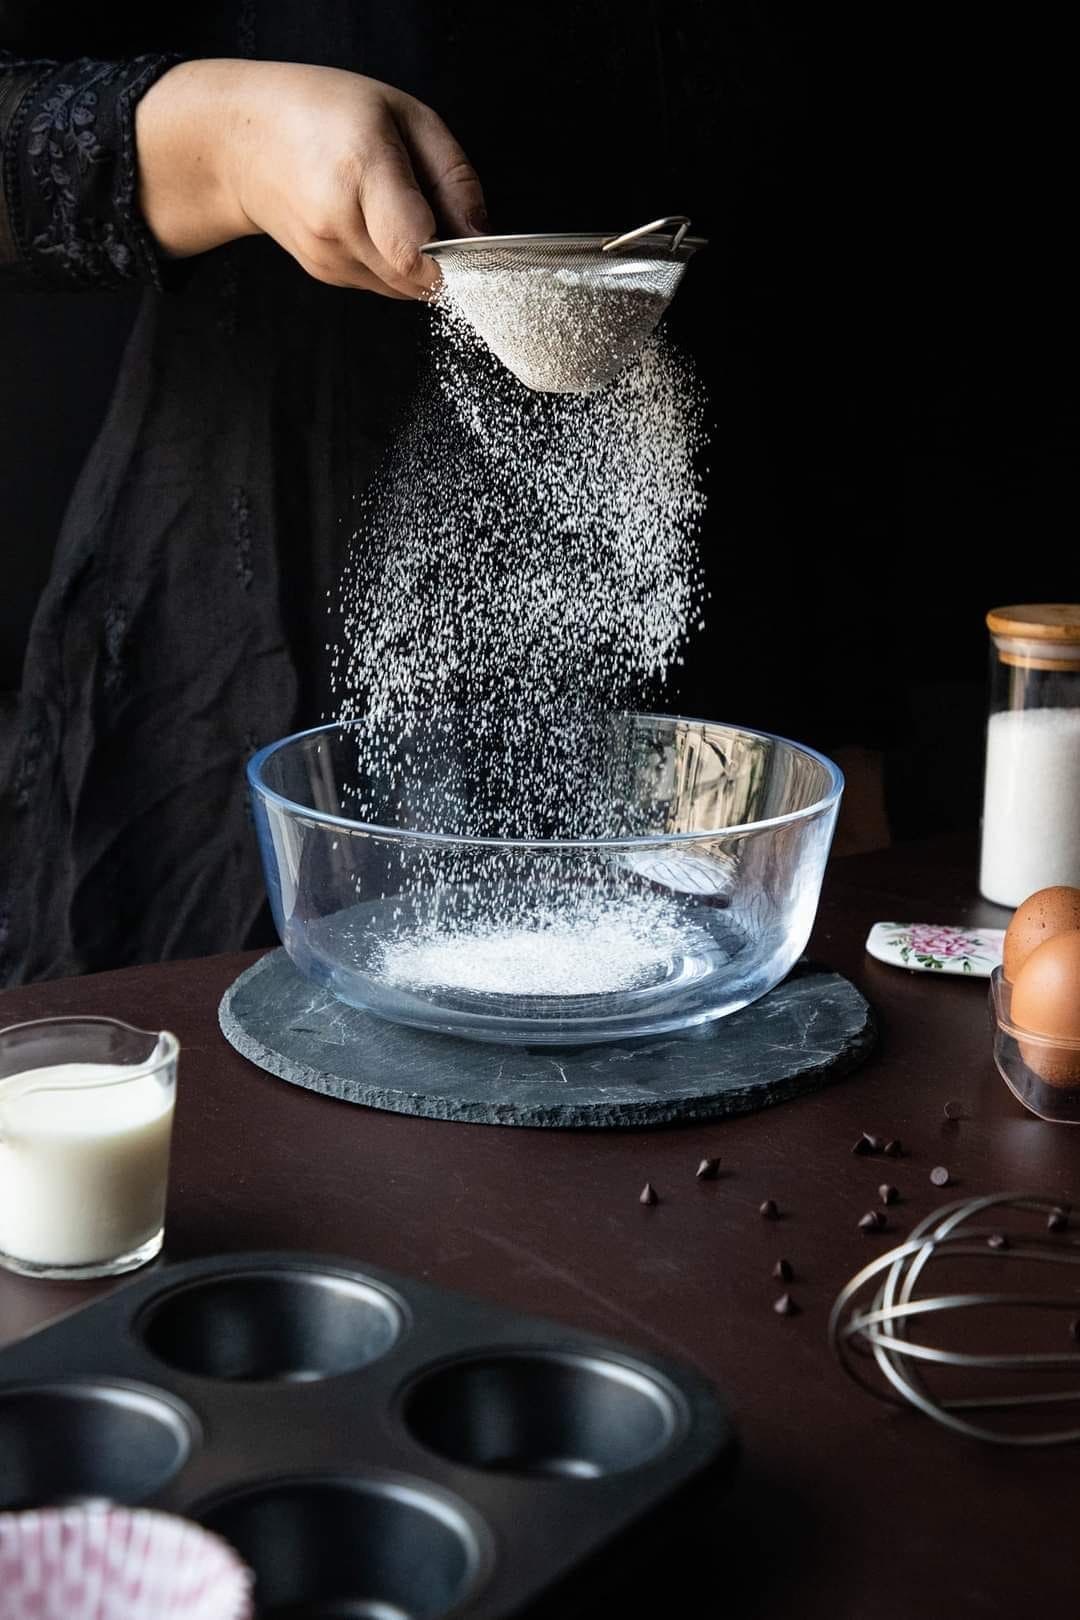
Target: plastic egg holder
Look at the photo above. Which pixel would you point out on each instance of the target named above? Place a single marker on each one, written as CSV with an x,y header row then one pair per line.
x,y
1021,1053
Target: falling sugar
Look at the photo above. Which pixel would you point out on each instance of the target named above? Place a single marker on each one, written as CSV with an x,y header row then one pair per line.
x,y
524,570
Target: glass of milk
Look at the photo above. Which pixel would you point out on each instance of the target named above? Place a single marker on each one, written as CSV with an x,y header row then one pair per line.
x,y
86,1112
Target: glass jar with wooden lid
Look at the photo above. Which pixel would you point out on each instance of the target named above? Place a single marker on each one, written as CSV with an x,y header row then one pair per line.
x,y
1031,805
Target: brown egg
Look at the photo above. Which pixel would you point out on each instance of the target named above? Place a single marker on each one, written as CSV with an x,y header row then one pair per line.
x,y
1042,915
1046,1000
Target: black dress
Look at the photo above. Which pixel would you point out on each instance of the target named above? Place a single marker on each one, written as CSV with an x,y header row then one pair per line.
x,y
184,621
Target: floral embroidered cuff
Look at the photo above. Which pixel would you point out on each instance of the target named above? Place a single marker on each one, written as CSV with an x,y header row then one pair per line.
x,y
70,178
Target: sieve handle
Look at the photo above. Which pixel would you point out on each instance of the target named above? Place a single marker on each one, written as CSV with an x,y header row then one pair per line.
x,y
677,224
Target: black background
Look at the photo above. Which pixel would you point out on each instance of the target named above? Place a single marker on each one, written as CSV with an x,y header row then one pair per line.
x,y
885,320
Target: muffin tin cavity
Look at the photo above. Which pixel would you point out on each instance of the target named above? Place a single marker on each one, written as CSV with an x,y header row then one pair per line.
x,y
292,1326
76,1442
570,1416
357,1549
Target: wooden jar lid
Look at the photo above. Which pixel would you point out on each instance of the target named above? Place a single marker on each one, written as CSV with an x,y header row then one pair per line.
x,y
1051,629
1037,621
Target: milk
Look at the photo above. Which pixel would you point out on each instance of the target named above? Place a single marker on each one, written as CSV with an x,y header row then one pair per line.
x,y
83,1163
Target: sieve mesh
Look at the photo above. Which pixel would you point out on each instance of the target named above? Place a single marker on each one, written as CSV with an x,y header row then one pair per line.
x,y
566,313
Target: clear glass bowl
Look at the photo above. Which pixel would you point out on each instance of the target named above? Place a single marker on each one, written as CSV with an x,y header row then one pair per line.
x,y
1042,1073
695,897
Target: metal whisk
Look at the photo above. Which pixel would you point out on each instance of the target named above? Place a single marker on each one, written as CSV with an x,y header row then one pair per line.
x,y
883,1328
566,313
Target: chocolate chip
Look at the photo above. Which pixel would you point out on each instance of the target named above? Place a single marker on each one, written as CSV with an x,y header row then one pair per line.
x,y
783,1271
785,1306
1074,1327
954,1109
647,1194
708,1170
867,1144
997,1240
872,1221
940,1176
1057,1221
893,1148
887,1194
769,1210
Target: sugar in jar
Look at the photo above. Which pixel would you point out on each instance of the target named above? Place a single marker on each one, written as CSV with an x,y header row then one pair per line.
x,y
1031,805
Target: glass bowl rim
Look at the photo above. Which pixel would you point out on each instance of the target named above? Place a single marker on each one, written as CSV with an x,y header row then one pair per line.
x,y
809,812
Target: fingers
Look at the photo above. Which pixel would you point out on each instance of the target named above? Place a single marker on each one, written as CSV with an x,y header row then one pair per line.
x,y
373,216
343,267
338,275
443,169
395,217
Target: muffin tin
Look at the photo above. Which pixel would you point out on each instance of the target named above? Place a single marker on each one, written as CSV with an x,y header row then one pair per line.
x,y
375,1448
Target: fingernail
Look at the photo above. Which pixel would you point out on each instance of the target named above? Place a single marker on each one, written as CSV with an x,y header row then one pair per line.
x,y
477,221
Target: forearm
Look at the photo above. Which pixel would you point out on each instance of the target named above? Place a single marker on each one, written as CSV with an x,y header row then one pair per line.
x,y
185,125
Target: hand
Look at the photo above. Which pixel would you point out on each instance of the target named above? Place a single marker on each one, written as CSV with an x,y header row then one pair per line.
x,y
342,171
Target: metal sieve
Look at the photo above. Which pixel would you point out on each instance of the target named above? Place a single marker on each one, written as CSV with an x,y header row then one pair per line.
x,y
566,313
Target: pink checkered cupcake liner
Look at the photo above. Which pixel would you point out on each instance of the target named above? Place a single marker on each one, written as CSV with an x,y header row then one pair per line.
x,y
112,1563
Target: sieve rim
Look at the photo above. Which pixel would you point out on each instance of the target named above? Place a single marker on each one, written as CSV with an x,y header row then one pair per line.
x,y
810,812
580,241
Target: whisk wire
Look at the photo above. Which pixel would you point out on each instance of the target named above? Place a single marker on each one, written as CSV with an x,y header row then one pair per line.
x,y
880,1332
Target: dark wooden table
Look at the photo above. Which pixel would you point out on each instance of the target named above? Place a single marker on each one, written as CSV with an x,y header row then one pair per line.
x,y
844,1508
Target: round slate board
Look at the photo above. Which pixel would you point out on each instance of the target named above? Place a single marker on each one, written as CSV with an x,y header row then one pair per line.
x,y
811,1029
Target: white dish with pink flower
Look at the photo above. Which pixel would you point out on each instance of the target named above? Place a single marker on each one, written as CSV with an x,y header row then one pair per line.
x,y
970,952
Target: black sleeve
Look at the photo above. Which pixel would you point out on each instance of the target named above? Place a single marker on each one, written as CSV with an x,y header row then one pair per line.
x,y
69,214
